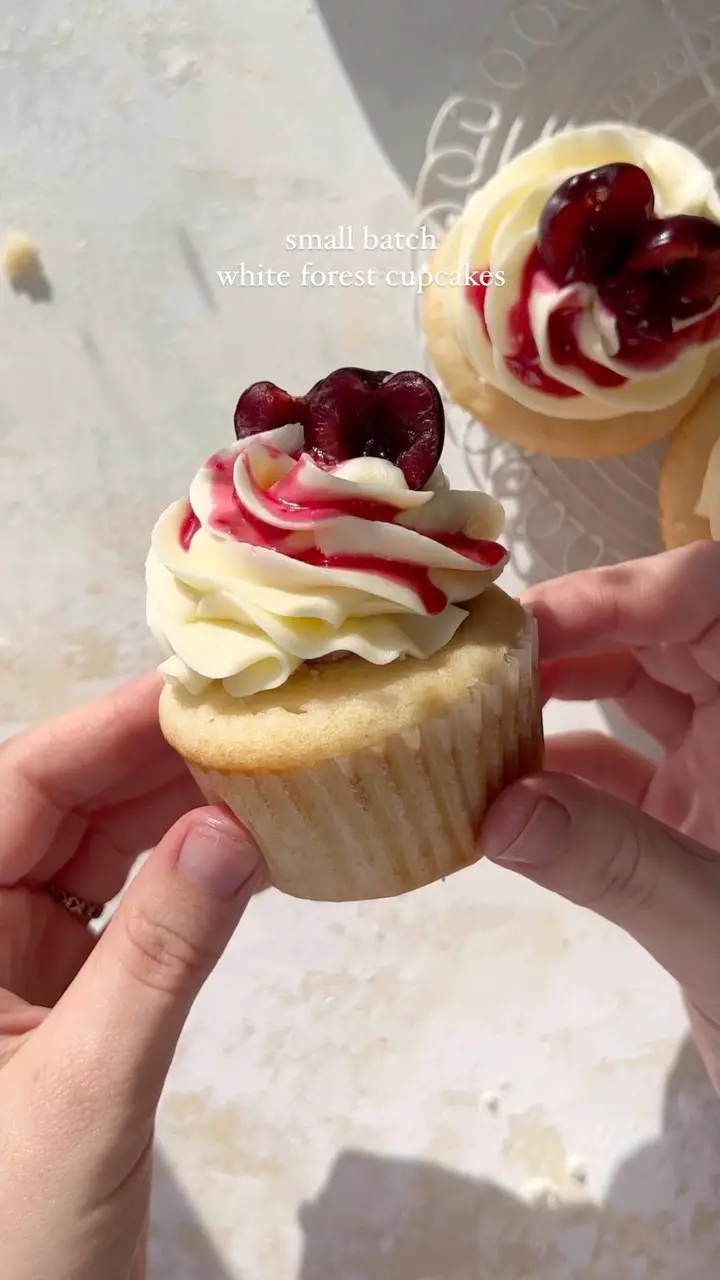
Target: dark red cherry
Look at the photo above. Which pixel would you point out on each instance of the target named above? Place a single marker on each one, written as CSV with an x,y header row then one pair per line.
x,y
370,378
340,417
412,420
265,407
683,252
672,274
591,222
627,294
669,241
353,414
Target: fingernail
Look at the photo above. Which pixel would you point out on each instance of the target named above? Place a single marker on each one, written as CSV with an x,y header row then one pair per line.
x,y
218,857
524,828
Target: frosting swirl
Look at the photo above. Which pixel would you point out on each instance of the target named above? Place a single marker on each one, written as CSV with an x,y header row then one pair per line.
x,y
577,366
275,561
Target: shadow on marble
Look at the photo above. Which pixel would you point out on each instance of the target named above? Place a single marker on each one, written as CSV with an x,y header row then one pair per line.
x,y
394,1219
34,285
179,1247
403,61
193,262
111,388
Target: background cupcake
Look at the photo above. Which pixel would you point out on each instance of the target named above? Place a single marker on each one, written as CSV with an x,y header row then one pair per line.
x,y
605,332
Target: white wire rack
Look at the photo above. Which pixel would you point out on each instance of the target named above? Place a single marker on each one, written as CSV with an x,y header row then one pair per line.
x,y
549,65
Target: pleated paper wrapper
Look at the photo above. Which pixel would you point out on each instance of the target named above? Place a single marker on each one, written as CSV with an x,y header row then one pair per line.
x,y
398,816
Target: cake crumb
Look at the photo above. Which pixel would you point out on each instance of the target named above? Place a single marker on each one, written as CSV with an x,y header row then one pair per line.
x,y
20,257
577,1171
490,1101
541,1191
23,268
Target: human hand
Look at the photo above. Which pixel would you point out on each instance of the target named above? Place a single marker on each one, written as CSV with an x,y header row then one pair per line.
x,y
88,1028
637,842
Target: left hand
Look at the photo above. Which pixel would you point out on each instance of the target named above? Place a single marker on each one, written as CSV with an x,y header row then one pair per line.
x,y
88,1027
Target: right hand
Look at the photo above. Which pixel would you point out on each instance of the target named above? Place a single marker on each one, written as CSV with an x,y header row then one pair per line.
x,y
636,842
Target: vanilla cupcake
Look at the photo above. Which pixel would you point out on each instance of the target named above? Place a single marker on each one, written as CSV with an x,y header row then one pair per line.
x,y
689,490
341,670
575,305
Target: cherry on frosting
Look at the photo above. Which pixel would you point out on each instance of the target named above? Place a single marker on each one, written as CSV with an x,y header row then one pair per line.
x,y
600,227
354,413
340,421
592,220
681,257
370,378
265,407
412,421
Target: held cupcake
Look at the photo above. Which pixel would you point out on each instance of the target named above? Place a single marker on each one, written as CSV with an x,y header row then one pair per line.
x,y
575,305
689,491
340,669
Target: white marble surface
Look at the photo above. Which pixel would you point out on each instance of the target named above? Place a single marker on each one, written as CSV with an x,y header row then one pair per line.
x,y
366,1092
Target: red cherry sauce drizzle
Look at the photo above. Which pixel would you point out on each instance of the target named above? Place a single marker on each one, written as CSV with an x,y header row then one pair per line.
x,y
188,528
646,353
231,518
401,572
476,293
524,362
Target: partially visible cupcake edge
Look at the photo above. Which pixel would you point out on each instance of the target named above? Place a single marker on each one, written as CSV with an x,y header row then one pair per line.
x,y
682,473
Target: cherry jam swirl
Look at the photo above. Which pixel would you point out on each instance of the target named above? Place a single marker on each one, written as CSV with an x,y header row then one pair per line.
x,y
635,349
306,507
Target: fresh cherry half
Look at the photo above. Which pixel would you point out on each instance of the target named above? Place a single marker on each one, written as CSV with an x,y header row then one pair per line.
x,y
592,221
412,417
673,273
340,422
682,255
265,407
355,413
370,378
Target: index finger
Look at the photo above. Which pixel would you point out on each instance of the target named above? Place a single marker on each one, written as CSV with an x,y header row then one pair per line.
x,y
671,598
48,771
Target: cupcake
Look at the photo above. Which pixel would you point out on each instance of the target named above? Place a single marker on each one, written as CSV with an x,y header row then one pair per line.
x,y
574,307
689,491
340,669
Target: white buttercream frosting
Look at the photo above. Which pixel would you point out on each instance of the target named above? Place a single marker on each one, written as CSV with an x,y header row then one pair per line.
x,y
498,231
226,608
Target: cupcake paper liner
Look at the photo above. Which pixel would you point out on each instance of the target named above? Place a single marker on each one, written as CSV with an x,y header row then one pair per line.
x,y
392,818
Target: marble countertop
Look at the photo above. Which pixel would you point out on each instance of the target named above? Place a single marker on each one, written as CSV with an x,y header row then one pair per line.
x,y
476,1082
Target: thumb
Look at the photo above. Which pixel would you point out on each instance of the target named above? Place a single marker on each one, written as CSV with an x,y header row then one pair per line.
x,y
116,1027
659,885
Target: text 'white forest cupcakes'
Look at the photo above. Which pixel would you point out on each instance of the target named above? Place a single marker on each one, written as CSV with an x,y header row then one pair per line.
x,y
340,669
